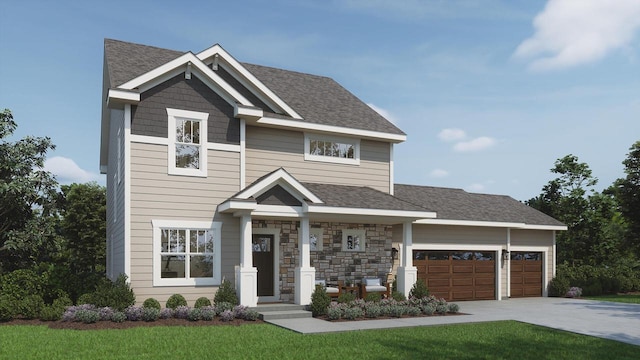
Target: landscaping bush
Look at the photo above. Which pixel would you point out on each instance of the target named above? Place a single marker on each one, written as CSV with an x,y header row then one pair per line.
x,y
226,293
118,317
207,313
353,313
150,314
597,280
454,308
134,313
181,312
202,302
226,315
373,297
71,311
223,306
320,300
30,306
114,294
346,298
428,309
251,315
85,299
6,308
419,290
373,311
413,311
50,313
194,314
166,313
176,300
105,313
398,296
558,286
442,308
87,316
151,303
334,313
396,310
574,292
239,311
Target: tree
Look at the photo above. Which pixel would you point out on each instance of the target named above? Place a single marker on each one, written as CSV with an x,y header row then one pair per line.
x,y
627,192
27,200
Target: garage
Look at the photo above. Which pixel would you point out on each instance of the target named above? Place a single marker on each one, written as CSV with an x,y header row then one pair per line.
x,y
526,274
457,275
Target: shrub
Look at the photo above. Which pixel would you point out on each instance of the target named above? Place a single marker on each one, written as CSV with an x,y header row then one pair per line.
x,y
118,317
251,315
223,306
574,292
207,313
181,312
396,310
398,296
151,303
226,315
85,299
194,314
353,313
176,300
30,306
454,308
334,313
105,313
558,286
226,293
202,302
320,300
413,311
428,309
19,284
62,302
373,311
346,298
150,314
166,313
50,313
70,312
114,294
373,297
442,308
134,313
419,290
87,316
239,311
6,308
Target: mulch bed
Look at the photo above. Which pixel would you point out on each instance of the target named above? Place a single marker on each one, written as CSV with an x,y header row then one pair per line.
x,y
102,325
324,317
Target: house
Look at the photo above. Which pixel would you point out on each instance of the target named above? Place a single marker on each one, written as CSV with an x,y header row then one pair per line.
x,y
218,169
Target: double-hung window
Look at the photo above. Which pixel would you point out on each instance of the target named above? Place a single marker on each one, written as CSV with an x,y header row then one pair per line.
x,y
186,253
187,142
333,149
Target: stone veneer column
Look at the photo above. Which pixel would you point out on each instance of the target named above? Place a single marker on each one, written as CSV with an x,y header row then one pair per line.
x,y
305,275
246,274
407,273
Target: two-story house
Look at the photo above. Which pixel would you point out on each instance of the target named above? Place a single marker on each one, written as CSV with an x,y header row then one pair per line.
x,y
272,179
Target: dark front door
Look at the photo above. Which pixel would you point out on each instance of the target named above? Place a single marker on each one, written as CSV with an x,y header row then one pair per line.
x,y
263,261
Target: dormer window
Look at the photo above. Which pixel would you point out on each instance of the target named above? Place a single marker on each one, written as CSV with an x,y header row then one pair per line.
x,y
333,149
187,142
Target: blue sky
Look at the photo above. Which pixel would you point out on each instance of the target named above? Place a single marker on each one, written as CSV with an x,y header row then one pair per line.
x,y
490,92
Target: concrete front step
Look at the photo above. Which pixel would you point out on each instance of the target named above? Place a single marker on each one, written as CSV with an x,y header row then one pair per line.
x,y
282,311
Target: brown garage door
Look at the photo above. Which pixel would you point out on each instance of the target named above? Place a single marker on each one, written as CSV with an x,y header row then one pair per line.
x,y
526,274
457,275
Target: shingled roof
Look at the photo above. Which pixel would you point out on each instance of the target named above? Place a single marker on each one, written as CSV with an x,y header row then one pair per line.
x,y
457,204
318,99
360,197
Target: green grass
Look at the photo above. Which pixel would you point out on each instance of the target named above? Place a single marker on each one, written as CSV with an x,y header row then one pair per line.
x,y
497,340
629,299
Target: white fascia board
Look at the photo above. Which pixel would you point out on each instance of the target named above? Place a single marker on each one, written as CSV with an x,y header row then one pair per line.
x,y
126,96
246,112
370,212
278,211
395,138
103,169
544,227
274,178
470,223
183,60
231,205
253,81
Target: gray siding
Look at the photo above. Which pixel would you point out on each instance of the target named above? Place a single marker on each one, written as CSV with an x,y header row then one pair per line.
x,y
115,198
269,149
149,117
157,195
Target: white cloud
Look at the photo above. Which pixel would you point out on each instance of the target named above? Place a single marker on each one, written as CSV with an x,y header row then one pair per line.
x,y
476,187
476,144
573,32
385,113
451,134
439,173
67,171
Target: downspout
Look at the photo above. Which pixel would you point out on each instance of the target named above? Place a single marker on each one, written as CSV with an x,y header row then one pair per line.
x,y
508,263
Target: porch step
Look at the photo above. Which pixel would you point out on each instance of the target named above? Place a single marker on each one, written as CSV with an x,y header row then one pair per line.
x,y
282,311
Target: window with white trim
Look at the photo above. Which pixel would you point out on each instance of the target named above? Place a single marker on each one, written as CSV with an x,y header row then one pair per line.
x,y
187,142
334,149
186,253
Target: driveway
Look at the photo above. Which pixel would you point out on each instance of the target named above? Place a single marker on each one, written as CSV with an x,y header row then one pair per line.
x,y
615,321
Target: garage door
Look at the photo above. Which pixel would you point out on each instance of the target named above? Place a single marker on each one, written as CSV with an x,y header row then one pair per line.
x,y
457,275
526,274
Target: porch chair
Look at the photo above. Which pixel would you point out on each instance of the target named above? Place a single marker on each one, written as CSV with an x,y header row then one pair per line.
x,y
374,285
333,290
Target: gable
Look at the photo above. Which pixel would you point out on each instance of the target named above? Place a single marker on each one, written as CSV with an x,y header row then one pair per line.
x,y
277,195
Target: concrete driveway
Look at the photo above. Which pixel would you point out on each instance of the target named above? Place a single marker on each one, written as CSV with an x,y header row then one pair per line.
x,y
607,320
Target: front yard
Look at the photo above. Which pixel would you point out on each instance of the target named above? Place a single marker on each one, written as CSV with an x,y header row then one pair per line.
x,y
622,298
505,339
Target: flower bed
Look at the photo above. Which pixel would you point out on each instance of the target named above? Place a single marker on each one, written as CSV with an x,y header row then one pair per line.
x,y
389,308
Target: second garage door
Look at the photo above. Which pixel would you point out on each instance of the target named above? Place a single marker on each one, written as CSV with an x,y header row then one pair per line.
x,y
457,275
526,274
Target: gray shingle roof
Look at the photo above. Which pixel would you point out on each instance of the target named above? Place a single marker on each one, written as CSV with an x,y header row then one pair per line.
x,y
318,99
457,204
360,197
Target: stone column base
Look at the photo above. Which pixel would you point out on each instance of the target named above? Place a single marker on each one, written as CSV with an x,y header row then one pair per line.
x,y
305,282
247,286
407,276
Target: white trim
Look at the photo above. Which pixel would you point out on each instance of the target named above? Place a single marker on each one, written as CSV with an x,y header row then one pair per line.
x,y
545,267
243,153
391,174
248,112
544,227
489,224
370,212
277,211
555,255
296,124
173,116
319,233
360,233
330,159
282,178
252,80
119,154
223,147
144,139
237,205
215,226
508,263
276,260
123,95
127,191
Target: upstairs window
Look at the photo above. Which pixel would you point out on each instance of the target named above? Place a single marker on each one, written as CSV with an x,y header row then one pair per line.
x,y
187,142
331,149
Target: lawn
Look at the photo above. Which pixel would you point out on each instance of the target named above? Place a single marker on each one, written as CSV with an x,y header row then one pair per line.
x,y
629,299
496,340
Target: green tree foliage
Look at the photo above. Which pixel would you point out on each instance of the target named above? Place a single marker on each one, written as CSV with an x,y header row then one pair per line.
x,y
627,191
27,200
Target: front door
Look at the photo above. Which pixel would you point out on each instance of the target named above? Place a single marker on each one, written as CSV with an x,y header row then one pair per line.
x,y
263,261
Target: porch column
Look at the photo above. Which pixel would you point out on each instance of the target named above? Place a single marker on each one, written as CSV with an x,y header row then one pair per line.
x,y
246,274
407,273
305,275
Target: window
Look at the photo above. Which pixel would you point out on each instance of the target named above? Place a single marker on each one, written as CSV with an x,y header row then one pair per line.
x,y
186,253
187,142
331,149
